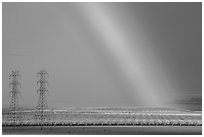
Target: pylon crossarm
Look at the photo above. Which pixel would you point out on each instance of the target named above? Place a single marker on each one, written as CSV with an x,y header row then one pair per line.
x,y
14,74
14,83
14,92
42,81
42,90
42,73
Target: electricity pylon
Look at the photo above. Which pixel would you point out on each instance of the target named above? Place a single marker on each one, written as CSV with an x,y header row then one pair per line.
x,y
14,115
42,104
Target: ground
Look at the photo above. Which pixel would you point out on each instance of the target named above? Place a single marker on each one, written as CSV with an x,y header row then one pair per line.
x,y
114,130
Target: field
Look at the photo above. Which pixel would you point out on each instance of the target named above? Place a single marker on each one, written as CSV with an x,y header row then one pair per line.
x,y
108,121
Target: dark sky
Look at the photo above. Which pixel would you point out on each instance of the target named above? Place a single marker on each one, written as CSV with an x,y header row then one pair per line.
x,y
104,54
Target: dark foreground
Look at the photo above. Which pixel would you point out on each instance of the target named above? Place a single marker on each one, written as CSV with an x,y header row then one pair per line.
x,y
104,130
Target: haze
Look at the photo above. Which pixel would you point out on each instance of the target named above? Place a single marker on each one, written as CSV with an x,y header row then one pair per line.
x,y
104,54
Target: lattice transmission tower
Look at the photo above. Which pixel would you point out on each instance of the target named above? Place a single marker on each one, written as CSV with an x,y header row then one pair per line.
x,y
42,104
14,115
